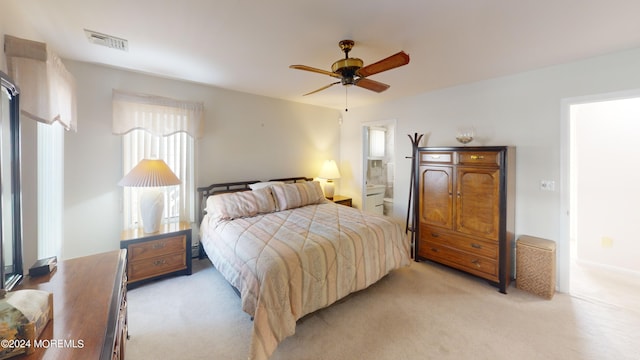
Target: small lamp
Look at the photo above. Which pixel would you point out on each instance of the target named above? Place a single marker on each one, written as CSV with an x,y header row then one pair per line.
x,y
150,174
329,171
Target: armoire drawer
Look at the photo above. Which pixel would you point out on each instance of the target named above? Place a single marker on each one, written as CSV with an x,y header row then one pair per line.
x,y
482,158
464,243
445,157
477,265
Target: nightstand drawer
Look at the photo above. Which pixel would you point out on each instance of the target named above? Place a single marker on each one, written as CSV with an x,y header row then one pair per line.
x,y
160,265
153,248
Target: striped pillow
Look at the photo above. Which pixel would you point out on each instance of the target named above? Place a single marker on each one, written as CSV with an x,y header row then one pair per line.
x,y
289,196
240,204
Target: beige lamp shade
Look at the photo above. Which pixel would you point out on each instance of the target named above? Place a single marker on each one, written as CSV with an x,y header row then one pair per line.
x,y
150,173
329,171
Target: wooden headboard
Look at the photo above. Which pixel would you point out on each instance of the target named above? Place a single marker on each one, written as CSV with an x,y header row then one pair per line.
x,y
221,188
293,179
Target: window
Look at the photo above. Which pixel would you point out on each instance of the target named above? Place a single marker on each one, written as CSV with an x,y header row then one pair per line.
x,y
154,127
50,189
177,150
47,95
376,142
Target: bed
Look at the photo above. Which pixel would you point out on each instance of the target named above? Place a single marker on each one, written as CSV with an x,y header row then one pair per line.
x,y
289,252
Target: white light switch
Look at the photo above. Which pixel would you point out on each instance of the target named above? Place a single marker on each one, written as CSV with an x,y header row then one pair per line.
x,y
548,185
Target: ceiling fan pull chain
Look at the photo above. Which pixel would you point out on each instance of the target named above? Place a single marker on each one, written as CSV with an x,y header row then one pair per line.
x,y
346,105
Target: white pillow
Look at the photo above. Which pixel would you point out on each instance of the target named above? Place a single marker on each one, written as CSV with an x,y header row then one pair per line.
x,y
263,184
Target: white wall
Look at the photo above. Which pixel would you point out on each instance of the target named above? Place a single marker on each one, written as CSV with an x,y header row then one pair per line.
x,y
521,110
246,137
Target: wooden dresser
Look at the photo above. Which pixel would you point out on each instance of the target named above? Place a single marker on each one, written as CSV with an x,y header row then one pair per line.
x,y
466,210
89,308
151,256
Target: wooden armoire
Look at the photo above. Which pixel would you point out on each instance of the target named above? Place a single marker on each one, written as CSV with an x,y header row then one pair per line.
x,y
465,209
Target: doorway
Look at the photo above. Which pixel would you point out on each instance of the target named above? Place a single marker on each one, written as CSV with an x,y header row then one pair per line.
x,y
378,154
599,247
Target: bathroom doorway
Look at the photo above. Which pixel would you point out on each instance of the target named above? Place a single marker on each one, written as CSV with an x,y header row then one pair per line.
x,y
378,154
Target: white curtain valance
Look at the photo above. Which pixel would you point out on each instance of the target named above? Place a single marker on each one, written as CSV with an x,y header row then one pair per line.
x,y
158,115
47,89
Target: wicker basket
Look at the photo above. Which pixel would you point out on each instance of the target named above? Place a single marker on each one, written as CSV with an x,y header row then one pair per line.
x,y
536,266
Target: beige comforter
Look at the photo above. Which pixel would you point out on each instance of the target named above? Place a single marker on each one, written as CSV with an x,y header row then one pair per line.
x,y
287,264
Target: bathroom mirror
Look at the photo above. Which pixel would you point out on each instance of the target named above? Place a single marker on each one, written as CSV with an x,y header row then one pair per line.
x,y
377,142
10,193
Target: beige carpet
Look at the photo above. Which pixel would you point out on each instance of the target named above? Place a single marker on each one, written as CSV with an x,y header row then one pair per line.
x,y
424,311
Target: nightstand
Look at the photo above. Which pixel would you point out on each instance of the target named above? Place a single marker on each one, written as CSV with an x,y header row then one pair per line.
x,y
342,200
151,256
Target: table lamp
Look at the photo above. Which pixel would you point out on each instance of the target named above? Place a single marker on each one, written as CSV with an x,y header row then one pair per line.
x,y
329,172
150,174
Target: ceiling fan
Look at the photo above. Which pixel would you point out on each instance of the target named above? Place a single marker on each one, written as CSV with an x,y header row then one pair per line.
x,y
351,72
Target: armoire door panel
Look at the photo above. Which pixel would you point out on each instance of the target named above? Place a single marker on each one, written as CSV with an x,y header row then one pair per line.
x,y
478,202
436,196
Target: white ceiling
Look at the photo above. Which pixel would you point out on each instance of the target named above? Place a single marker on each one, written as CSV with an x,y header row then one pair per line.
x,y
248,45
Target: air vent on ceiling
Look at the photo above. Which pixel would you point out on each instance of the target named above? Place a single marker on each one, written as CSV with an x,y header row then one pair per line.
x,y
107,40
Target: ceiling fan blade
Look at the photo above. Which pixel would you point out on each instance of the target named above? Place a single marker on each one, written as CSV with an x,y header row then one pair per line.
x,y
389,63
322,88
371,85
316,70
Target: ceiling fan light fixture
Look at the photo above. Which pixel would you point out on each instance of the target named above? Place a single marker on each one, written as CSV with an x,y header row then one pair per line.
x,y
350,71
347,80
